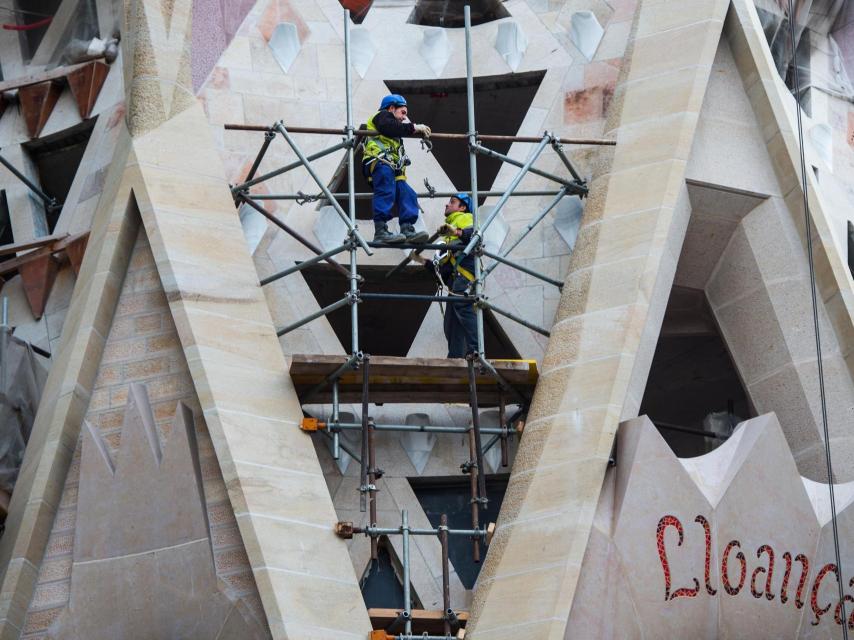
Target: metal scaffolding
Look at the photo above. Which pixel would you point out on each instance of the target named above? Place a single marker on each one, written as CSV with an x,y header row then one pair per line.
x,y
569,185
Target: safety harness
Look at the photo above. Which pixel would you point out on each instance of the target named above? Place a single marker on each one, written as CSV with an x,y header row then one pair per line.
x,y
458,220
389,151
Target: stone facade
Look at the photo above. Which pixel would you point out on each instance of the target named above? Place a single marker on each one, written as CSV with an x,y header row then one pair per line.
x,y
164,345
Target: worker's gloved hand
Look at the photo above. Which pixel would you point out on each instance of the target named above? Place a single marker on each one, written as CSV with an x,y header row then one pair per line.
x,y
423,129
447,230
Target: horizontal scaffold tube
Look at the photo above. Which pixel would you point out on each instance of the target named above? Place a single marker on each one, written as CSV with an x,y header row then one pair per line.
x,y
307,198
459,137
389,531
427,428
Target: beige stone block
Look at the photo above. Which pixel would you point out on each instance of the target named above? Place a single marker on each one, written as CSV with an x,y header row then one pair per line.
x,y
658,17
239,390
32,523
305,605
780,151
602,287
240,342
505,608
592,336
642,188
188,131
628,236
565,438
193,196
570,489
737,272
673,92
687,46
19,582
295,547
267,441
279,493
576,387
751,329
657,139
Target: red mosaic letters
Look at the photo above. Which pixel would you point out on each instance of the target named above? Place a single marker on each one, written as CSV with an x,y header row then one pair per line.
x,y
757,590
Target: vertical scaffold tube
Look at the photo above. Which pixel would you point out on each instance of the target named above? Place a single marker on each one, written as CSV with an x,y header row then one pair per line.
x,y
446,572
364,488
472,134
407,606
351,188
336,433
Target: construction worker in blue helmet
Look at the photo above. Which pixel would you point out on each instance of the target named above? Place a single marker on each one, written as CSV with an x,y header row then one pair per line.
x,y
457,274
384,165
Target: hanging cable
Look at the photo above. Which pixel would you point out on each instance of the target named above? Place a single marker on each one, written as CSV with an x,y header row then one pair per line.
x,y
821,390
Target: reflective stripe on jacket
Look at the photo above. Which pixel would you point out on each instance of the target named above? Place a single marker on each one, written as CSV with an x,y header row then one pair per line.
x,y
384,149
459,220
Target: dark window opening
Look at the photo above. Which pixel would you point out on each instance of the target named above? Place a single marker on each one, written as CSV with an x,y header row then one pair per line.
x,y
33,12
6,236
851,247
501,103
358,9
693,383
389,327
381,585
57,158
449,13
452,496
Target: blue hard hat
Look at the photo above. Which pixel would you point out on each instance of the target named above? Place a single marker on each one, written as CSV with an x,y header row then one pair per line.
x,y
392,100
465,199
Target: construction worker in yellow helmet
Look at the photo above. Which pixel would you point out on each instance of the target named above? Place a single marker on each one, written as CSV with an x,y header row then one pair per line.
x,y
457,274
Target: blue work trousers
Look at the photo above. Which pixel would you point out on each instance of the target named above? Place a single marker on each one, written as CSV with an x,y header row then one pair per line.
x,y
460,323
390,194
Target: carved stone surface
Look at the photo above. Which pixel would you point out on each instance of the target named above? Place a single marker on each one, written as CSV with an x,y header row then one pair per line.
x,y
732,544
142,541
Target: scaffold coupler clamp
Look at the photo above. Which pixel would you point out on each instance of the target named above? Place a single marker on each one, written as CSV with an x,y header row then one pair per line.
x,y
345,530
431,190
304,198
473,141
468,466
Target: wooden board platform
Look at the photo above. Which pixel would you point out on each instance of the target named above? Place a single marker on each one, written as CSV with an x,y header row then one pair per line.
x,y
411,380
423,620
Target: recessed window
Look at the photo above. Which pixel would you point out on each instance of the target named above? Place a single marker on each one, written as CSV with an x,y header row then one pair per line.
x,y
389,327
57,158
452,496
693,385
449,13
381,585
501,103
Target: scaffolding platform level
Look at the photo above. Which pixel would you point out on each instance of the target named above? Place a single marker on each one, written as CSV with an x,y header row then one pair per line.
x,y
410,380
364,379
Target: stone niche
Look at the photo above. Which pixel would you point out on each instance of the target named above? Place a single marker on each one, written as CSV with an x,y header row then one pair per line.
x,y
732,544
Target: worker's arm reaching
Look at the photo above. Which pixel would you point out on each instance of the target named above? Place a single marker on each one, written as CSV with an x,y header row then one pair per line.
x,y
388,125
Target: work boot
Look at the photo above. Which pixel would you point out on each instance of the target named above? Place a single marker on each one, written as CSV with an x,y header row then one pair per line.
x,y
382,234
413,236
